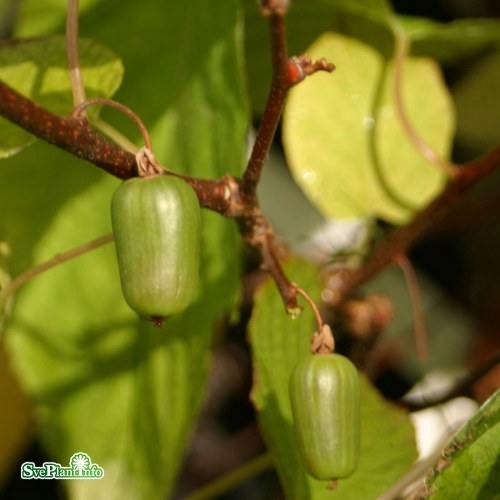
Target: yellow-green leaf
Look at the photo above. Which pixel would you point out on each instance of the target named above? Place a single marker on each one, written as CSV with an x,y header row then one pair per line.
x,y
345,144
469,467
37,68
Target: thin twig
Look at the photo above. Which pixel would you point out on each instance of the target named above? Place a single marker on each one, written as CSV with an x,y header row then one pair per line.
x,y
314,307
383,177
286,73
72,53
259,234
78,110
49,264
273,108
416,305
401,51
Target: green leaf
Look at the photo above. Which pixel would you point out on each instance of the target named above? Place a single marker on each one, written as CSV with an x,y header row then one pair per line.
x,y
38,69
110,374
36,18
379,11
117,389
469,466
278,342
450,42
343,140
4,281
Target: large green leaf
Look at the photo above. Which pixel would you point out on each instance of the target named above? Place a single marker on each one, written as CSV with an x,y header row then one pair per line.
x,y
104,383
38,69
109,374
345,144
469,466
278,342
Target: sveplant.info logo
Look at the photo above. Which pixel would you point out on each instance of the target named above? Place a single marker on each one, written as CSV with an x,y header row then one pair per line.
x,y
80,467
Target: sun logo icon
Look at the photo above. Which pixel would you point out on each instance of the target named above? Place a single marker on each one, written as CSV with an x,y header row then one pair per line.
x,y
79,462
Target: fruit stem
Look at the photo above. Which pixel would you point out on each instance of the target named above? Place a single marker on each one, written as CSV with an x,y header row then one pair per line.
x,y
314,307
78,110
322,341
401,51
147,165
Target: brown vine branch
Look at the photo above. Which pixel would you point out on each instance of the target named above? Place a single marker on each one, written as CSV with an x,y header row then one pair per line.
x,y
400,240
73,135
257,232
77,137
273,108
286,73
419,326
78,112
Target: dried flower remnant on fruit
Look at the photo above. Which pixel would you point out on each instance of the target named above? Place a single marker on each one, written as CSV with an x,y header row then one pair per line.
x,y
147,165
323,342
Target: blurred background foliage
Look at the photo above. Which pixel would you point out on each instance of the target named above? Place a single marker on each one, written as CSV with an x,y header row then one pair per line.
x,y
187,93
